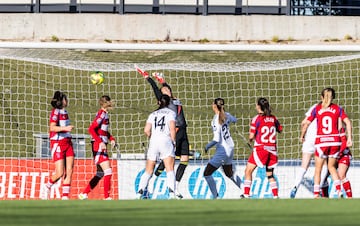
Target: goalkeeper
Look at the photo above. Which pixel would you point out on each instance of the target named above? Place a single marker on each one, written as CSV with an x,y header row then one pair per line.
x,y
182,142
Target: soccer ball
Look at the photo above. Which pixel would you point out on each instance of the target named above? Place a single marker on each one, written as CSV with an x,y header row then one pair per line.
x,y
97,78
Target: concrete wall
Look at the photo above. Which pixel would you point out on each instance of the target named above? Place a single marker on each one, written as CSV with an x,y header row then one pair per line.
x,y
144,27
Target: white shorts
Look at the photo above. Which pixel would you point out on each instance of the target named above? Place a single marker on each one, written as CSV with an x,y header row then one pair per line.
x,y
160,150
221,157
308,147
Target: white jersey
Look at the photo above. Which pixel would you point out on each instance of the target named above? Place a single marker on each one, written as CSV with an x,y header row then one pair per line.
x,y
225,144
160,140
311,132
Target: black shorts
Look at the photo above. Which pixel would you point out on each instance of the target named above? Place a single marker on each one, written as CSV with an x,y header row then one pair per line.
x,y
182,142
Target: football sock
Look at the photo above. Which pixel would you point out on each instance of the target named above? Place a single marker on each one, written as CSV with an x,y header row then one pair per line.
x,y
180,170
160,168
247,185
107,182
65,189
299,176
170,178
212,185
347,187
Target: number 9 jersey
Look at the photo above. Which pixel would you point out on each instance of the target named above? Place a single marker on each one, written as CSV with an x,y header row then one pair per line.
x,y
327,124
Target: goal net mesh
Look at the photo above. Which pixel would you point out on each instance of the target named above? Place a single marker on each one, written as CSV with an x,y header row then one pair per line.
x,y
29,79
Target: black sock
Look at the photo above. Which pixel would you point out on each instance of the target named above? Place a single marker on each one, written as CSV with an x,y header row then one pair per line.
x,y
160,168
180,170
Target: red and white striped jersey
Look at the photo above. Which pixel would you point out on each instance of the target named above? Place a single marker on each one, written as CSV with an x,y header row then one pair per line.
x,y
61,118
327,124
99,128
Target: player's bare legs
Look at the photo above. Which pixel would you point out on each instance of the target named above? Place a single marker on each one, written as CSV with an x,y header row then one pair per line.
x,y
144,180
170,175
106,167
248,178
67,178
272,181
318,168
342,171
305,162
332,163
93,183
59,172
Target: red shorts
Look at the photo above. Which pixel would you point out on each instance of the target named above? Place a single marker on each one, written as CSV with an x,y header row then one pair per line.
x,y
345,158
60,149
262,157
99,155
325,152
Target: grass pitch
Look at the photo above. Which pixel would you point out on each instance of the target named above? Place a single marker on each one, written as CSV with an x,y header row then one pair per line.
x,y
182,212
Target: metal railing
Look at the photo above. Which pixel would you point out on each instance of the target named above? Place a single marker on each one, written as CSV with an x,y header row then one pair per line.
x,y
200,7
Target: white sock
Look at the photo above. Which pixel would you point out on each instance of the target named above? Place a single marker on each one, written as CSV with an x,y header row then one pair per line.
x,y
299,176
212,185
144,180
170,177
177,186
151,185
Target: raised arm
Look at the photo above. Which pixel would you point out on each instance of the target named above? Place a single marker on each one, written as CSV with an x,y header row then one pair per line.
x,y
155,88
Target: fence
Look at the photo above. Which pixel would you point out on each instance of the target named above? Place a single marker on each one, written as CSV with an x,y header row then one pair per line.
x,y
197,7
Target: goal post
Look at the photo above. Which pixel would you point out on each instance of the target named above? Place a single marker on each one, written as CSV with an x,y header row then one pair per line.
x,y
289,76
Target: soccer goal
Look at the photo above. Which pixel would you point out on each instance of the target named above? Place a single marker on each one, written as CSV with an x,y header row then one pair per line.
x,y
291,79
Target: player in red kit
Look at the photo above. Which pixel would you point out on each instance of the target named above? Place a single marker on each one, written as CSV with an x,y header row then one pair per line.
x,y
99,131
327,140
60,145
263,130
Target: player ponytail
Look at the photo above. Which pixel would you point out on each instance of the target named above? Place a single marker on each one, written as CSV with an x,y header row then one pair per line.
x,y
164,101
105,102
264,106
57,100
328,94
219,102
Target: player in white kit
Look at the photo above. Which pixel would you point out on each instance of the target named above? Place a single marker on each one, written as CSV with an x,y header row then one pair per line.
x,y
160,128
224,147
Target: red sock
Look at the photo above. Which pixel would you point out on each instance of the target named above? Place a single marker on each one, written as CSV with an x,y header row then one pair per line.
x,y
274,189
337,185
247,186
316,190
347,187
107,185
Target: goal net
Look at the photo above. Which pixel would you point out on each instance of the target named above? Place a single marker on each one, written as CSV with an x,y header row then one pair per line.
x,y
29,77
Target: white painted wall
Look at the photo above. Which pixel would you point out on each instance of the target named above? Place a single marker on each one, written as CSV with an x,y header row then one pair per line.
x,y
146,27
